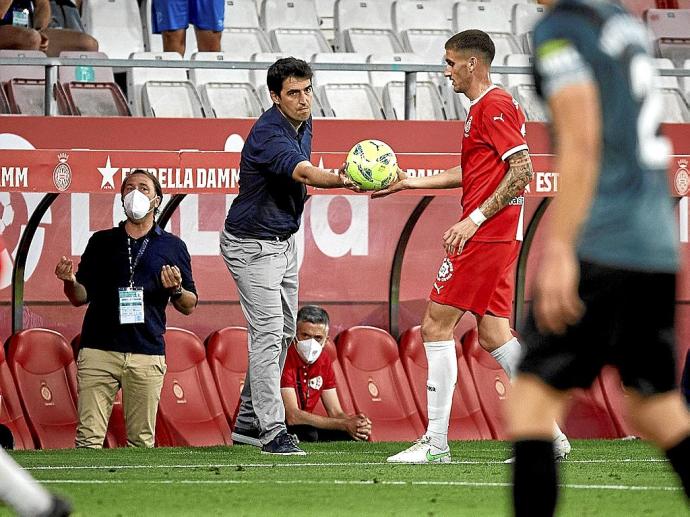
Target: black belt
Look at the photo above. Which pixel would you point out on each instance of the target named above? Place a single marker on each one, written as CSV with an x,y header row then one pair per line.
x,y
276,238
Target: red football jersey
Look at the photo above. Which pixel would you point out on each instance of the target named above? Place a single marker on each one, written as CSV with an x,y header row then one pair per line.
x,y
494,130
308,380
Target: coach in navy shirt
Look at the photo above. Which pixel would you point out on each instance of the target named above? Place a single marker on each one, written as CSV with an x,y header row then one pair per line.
x,y
127,275
258,246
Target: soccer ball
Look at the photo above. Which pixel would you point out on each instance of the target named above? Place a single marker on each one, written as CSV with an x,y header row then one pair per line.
x,y
371,165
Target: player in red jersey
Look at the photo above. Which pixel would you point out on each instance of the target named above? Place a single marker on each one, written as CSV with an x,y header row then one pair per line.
x,y
481,249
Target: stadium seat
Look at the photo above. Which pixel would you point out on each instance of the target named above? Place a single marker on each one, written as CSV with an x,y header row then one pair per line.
x,y
522,88
365,26
424,28
675,109
154,42
325,10
162,92
116,434
588,415
116,24
190,412
390,86
225,93
378,384
685,82
11,414
226,352
346,93
25,85
490,381
614,394
670,27
293,27
344,396
467,422
241,13
523,20
493,20
42,363
4,103
249,40
91,91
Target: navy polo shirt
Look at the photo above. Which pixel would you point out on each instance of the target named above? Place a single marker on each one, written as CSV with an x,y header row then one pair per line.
x,y
104,268
270,202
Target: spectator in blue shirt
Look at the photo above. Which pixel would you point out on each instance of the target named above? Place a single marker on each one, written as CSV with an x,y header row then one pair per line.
x,y
258,246
127,275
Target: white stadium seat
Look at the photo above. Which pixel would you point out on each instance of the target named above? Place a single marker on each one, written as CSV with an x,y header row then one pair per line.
x,y
365,26
675,109
424,27
248,40
293,27
116,24
671,29
491,19
241,13
524,18
162,92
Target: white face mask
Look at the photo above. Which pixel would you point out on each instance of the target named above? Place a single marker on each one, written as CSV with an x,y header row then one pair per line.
x,y
309,350
137,205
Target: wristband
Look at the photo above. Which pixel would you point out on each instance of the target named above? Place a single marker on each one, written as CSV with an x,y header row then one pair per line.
x,y
477,217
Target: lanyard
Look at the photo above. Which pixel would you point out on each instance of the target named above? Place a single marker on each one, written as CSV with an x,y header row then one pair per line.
x,y
133,266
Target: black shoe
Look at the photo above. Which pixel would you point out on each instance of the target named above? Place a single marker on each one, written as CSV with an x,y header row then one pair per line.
x,y
246,436
283,444
59,508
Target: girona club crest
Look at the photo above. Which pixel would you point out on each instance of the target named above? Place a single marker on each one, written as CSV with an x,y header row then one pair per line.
x,y
62,174
682,179
445,271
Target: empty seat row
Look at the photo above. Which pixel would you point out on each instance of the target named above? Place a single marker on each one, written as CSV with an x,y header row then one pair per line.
x,y
200,395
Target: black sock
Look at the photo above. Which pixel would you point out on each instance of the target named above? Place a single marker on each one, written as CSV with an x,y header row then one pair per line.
x,y
679,456
534,479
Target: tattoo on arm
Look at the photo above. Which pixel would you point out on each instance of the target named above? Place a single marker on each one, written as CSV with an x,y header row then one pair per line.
x,y
518,176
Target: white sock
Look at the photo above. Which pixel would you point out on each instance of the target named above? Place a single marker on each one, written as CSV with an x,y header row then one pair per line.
x,y
20,490
441,379
508,356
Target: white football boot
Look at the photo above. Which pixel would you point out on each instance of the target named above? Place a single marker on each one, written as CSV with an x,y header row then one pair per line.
x,y
422,451
561,449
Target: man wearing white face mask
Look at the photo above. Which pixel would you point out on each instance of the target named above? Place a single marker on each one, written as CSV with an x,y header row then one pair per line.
x,y
307,378
127,275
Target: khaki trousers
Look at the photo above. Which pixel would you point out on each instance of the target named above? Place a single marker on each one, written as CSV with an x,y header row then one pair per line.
x,y
100,374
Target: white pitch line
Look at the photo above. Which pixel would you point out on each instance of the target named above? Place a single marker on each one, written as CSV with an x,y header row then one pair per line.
x,y
470,484
307,464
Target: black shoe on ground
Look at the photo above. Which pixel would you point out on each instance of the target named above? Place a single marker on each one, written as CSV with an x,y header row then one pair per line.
x,y
246,436
59,508
284,444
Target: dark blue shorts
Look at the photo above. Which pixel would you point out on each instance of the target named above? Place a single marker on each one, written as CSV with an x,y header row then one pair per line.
x,y
628,323
172,15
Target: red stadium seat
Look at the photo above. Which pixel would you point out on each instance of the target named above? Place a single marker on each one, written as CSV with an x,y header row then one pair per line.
x,y
597,412
190,412
343,391
43,366
226,352
11,413
490,381
377,381
467,422
116,435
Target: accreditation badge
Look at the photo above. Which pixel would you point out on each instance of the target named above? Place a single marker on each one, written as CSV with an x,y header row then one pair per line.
x,y
131,305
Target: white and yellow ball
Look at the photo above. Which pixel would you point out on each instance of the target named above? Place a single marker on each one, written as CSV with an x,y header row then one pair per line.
x,y
371,165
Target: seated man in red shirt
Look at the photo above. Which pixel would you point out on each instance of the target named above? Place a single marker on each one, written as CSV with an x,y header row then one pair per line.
x,y
307,377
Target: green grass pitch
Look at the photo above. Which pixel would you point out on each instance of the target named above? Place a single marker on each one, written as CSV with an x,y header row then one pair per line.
x,y
601,478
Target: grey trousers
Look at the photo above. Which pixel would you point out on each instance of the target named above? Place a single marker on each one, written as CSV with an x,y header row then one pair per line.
x,y
267,281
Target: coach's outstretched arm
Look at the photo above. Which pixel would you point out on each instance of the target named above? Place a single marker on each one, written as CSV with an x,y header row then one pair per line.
x,y
315,176
75,292
450,178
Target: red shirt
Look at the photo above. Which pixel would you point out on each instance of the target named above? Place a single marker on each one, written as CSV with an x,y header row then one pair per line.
x,y
308,380
494,130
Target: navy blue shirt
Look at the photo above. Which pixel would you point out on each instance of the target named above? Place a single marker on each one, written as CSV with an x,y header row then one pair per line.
x,y
105,267
270,202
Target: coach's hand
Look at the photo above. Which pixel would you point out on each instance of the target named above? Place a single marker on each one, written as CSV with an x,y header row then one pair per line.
x,y
347,182
456,236
401,183
557,303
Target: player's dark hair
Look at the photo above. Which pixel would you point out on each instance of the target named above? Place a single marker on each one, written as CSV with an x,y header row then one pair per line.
x,y
156,185
473,40
284,68
313,314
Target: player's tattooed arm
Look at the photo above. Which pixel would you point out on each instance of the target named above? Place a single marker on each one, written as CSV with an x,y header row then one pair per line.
x,y
516,179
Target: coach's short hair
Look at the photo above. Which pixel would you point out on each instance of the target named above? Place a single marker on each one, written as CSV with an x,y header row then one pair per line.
x,y
313,314
473,40
284,68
